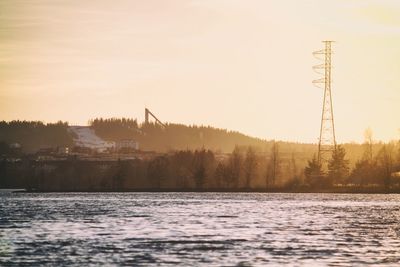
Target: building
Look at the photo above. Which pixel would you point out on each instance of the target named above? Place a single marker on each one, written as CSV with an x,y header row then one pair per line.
x,y
126,144
15,146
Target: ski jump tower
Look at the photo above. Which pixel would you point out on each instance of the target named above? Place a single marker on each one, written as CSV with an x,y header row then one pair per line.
x,y
147,114
327,139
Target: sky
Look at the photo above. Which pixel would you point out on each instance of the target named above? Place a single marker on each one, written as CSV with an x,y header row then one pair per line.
x,y
240,65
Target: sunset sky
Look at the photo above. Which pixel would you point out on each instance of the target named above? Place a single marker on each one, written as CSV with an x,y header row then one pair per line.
x,y
240,65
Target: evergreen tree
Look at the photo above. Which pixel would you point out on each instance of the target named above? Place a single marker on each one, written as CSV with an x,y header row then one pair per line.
x,y
313,170
364,172
199,166
219,174
338,166
157,171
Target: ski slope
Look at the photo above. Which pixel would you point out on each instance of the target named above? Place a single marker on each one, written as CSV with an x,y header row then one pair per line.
x,y
86,137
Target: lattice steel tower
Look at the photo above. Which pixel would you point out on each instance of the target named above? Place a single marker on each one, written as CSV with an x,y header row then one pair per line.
x,y
327,139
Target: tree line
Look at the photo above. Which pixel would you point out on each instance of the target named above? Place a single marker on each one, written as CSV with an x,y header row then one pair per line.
x,y
33,135
173,136
246,168
379,168
255,163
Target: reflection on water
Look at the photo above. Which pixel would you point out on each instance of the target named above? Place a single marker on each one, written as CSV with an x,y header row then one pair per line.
x,y
229,229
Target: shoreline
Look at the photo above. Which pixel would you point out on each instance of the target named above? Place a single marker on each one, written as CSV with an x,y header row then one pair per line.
x,y
173,190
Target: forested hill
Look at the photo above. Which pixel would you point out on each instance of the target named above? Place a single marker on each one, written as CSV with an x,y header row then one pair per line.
x,y
173,136
177,136
33,135
181,137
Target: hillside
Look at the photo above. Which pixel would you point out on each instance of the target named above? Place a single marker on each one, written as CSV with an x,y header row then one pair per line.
x,y
85,136
180,137
34,135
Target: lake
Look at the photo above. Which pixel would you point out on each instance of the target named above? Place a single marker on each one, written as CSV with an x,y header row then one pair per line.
x,y
200,229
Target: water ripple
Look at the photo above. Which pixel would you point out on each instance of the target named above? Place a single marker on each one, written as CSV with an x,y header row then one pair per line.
x,y
202,229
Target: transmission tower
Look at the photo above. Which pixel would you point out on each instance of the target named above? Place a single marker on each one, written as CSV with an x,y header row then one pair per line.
x,y
327,139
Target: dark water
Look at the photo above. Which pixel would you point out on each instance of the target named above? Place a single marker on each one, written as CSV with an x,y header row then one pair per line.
x,y
201,229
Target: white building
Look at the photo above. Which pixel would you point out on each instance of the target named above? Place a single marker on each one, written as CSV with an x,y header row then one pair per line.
x,y
127,144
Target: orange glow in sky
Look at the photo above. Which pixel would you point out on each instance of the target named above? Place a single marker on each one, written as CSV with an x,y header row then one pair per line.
x,y
240,65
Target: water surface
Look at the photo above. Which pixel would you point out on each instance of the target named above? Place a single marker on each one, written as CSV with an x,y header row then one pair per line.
x,y
201,229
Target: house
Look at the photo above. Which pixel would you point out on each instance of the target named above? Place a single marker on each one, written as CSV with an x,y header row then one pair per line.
x,y
127,144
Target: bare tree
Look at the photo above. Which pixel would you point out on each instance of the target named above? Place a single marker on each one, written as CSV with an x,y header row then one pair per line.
x,y
273,166
364,169
275,162
368,144
235,166
385,159
293,166
250,165
398,154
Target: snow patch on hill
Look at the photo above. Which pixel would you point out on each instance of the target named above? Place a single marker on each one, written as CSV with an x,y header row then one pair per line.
x,y
86,137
